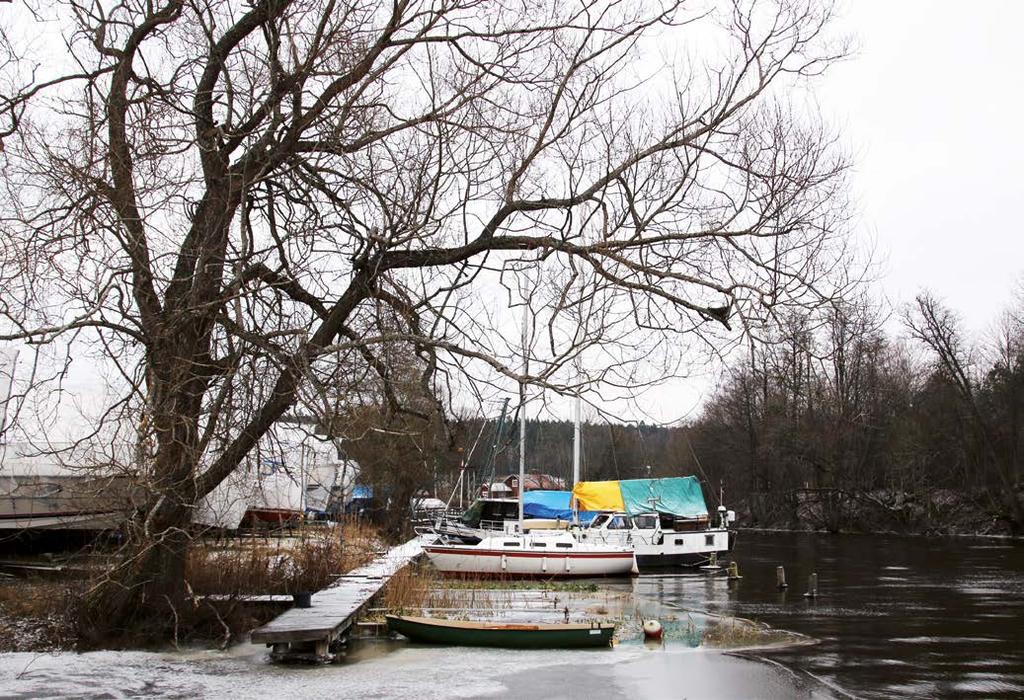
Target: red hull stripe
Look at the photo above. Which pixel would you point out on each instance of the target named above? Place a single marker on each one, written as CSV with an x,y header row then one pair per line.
x,y
528,555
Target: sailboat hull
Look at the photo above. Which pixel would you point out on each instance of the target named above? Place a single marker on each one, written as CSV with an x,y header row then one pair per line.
x,y
492,558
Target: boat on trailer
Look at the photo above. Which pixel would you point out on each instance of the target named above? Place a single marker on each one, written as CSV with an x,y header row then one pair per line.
x,y
67,487
529,635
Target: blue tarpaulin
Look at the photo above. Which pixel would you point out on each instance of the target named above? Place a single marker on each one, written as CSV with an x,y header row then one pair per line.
x,y
362,492
552,505
679,496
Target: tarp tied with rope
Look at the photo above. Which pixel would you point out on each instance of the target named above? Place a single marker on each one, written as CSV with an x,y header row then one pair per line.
x,y
679,496
551,505
598,495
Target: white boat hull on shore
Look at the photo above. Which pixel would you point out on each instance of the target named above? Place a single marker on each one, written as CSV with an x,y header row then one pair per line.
x,y
30,502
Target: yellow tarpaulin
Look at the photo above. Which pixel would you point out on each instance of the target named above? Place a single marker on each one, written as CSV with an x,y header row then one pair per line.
x,y
598,495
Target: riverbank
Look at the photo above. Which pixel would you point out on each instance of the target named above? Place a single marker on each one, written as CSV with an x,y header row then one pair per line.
x,y
887,533
935,512
234,584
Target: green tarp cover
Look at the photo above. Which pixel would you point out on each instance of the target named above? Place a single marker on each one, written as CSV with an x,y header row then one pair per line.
x,y
680,496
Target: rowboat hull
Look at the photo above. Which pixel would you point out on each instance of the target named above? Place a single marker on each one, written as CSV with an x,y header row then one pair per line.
x,y
517,636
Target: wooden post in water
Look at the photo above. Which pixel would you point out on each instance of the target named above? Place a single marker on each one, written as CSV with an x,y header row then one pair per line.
x,y
734,571
812,586
780,577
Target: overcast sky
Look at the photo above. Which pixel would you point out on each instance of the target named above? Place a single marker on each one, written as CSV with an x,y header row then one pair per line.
x,y
929,108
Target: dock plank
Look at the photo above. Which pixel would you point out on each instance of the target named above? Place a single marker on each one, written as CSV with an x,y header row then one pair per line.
x,y
335,607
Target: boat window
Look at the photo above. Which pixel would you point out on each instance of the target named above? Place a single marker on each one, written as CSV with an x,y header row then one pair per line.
x,y
709,540
646,522
679,541
540,544
619,522
599,521
564,545
511,544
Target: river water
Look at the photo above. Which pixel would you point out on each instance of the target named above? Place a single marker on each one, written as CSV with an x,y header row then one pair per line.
x,y
895,617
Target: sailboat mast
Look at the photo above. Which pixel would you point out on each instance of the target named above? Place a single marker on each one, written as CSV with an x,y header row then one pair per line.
x,y
522,419
576,441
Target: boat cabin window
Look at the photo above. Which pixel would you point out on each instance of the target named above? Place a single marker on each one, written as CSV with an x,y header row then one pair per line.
x,y
540,544
646,522
599,521
620,522
564,545
511,544
490,510
686,525
709,540
508,511
500,510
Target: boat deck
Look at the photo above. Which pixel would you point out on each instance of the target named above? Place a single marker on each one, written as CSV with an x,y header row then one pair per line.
x,y
306,633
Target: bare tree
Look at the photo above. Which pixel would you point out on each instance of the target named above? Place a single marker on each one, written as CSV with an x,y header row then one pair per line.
x,y
243,206
931,323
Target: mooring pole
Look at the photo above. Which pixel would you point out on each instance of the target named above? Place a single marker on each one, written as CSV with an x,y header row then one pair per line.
x,y
812,586
780,577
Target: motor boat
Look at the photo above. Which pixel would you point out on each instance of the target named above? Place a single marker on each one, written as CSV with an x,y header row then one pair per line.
x,y
679,542
665,521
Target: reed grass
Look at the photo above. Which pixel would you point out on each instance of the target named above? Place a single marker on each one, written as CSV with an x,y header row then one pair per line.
x,y
305,563
734,633
35,614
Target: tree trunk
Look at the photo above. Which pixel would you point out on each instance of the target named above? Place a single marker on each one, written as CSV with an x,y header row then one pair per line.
x,y
140,598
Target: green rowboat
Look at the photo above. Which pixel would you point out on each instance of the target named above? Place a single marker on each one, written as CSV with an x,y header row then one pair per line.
x,y
495,634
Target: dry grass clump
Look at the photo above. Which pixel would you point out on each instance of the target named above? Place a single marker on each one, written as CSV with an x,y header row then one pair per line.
x,y
420,587
35,614
736,633
41,615
307,562
409,589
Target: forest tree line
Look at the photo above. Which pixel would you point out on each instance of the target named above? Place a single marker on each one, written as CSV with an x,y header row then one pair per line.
x,y
838,421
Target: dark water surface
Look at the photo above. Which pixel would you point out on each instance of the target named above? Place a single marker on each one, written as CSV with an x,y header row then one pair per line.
x,y
896,616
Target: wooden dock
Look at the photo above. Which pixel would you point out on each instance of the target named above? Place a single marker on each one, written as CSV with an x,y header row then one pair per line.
x,y
307,634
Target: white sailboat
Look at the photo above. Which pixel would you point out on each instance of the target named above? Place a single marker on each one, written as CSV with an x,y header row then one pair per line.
x,y
539,553
543,554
